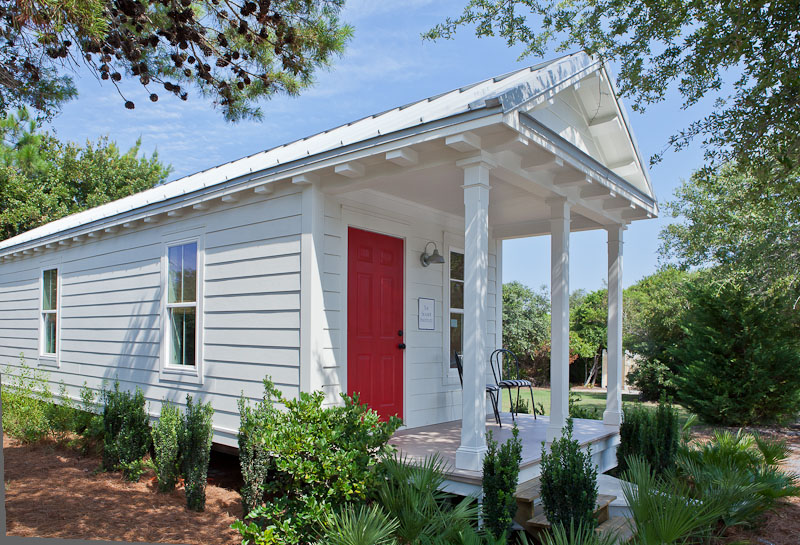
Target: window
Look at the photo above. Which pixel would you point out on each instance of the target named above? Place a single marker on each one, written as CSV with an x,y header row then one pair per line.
x,y
456,304
49,323
182,304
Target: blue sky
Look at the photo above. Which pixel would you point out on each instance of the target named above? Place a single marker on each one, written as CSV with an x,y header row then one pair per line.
x,y
386,64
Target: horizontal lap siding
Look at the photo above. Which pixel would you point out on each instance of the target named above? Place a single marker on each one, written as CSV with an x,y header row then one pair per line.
x,y
111,308
430,397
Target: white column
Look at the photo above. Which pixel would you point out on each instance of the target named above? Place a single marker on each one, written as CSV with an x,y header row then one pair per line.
x,y
312,315
613,413
559,316
476,270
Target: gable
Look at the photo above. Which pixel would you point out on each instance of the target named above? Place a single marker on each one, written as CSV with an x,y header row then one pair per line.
x,y
589,115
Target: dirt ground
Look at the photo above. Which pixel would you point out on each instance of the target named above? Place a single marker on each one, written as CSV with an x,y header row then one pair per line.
x,y
782,525
54,492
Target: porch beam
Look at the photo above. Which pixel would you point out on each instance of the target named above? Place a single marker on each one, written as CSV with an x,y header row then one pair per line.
x,y
559,316
613,413
470,453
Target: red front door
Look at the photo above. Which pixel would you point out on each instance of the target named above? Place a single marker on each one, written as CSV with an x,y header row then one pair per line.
x,y
375,321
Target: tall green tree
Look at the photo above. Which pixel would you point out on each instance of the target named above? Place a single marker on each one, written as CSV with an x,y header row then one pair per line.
x,y
654,310
748,235
526,327
43,179
743,54
588,329
234,51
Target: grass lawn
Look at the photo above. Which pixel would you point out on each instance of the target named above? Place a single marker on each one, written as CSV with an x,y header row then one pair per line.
x,y
588,399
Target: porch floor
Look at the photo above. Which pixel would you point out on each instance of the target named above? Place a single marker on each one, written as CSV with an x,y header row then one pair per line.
x,y
443,439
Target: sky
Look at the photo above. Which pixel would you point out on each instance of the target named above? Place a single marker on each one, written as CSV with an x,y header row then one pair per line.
x,y
385,65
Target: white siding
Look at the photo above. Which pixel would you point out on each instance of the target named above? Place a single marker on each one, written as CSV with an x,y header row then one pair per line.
x,y
110,307
432,391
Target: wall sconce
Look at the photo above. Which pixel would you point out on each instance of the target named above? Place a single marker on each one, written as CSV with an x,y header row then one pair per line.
x,y
426,258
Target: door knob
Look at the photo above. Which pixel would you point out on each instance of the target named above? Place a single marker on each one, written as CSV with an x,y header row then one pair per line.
x,y
401,346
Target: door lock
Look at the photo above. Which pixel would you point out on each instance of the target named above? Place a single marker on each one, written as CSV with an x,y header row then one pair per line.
x,y
401,346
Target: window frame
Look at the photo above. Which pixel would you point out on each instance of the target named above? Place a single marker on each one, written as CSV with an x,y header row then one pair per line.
x,y
192,374
452,243
49,358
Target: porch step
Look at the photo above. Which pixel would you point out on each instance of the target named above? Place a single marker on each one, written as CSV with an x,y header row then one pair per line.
x,y
539,520
618,526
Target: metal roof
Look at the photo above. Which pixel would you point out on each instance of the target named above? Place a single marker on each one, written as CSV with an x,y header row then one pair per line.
x,y
510,90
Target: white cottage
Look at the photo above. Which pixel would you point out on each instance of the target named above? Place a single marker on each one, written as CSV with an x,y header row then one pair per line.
x,y
303,262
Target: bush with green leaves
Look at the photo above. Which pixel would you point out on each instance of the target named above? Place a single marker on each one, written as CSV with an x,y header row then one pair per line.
x,y
651,434
576,410
740,471
166,444
126,429
195,447
26,399
741,354
500,478
308,460
411,493
577,534
662,508
62,414
568,481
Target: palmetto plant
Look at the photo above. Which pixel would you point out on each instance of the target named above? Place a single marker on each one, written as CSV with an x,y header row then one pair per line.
x,y
411,494
362,526
577,534
662,507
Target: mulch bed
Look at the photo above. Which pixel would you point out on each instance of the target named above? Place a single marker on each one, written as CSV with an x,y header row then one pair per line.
x,y
782,525
53,491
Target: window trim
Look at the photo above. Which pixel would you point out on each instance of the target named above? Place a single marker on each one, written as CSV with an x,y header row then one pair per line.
x,y
452,243
47,358
192,374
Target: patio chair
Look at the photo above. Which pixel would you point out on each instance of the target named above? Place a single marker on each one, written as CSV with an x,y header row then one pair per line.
x,y
492,389
496,361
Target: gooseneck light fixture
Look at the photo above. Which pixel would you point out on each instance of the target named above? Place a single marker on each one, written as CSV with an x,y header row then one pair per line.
x,y
426,258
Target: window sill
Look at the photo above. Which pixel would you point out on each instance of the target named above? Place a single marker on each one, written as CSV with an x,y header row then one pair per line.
x,y
49,360
188,375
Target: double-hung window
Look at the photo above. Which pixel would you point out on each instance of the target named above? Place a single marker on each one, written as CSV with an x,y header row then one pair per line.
x,y
49,313
456,304
181,305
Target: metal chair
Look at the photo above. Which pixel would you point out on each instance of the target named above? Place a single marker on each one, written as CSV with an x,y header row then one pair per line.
x,y
492,389
496,361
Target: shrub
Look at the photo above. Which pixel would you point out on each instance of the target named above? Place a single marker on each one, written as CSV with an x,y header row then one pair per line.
x,y
569,482
195,447
662,508
61,415
500,476
577,534
653,435
411,493
576,410
26,400
166,435
126,437
653,379
319,460
742,354
365,526
740,471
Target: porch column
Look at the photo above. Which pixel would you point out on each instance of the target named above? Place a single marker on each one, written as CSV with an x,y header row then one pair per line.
x,y
476,268
559,316
613,413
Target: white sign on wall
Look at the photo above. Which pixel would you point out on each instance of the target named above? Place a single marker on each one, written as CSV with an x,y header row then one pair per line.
x,y
427,313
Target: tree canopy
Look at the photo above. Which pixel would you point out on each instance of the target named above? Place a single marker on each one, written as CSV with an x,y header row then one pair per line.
x,y
234,51
43,179
748,235
743,54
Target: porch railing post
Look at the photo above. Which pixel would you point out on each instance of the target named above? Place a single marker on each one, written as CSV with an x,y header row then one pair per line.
x,y
559,315
476,268
613,413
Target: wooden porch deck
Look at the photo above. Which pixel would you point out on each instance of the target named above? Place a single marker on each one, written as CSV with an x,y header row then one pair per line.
x,y
443,439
